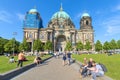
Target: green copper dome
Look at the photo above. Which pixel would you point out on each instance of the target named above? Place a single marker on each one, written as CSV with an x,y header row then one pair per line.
x,y
60,14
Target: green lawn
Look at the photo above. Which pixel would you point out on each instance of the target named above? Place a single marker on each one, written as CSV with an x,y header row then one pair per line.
x,y
6,66
111,62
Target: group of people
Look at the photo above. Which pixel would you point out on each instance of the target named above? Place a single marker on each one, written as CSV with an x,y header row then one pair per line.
x,y
37,60
21,58
91,68
57,54
66,56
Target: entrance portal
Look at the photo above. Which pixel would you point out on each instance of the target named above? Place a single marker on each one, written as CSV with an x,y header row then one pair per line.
x,y
61,43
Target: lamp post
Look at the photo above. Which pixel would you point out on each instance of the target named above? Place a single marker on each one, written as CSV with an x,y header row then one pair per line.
x,y
54,43
32,45
102,48
14,34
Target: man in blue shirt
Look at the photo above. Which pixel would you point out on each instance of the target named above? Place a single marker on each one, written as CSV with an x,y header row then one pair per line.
x,y
69,57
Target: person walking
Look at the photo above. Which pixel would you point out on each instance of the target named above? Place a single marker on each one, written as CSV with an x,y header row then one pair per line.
x,y
69,57
64,59
55,54
20,59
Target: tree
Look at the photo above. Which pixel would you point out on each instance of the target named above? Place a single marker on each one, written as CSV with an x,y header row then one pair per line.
x,y
9,46
2,43
118,44
68,46
48,45
113,44
79,45
88,46
24,45
106,46
16,45
37,45
98,46
21,47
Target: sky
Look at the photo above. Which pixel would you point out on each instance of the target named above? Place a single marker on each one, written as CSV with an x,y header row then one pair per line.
x,y
105,16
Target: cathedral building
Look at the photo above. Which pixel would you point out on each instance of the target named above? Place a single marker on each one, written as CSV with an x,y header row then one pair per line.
x,y
60,29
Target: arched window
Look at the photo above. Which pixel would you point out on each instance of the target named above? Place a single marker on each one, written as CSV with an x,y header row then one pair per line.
x,y
87,22
30,35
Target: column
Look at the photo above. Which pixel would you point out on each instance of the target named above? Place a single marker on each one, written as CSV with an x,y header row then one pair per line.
x,y
51,36
54,44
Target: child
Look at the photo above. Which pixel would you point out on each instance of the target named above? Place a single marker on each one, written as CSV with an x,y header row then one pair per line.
x,y
11,60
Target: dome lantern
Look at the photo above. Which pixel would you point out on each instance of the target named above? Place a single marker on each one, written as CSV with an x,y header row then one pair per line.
x,y
34,10
85,15
60,14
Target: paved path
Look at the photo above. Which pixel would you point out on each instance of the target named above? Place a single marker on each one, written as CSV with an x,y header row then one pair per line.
x,y
51,69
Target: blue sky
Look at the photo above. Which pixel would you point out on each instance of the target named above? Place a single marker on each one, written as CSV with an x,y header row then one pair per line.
x,y
105,15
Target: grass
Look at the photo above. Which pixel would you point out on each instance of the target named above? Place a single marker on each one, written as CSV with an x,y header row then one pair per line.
x,y
6,66
111,62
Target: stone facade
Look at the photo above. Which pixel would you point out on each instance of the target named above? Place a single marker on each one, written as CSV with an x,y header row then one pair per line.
x,y
60,30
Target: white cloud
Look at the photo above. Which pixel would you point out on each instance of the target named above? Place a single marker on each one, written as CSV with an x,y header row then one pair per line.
x,y
116,8
5,17
77,16
112,25
20,16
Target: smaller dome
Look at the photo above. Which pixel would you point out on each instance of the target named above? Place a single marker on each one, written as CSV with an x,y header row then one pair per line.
x,y
85,15
33,10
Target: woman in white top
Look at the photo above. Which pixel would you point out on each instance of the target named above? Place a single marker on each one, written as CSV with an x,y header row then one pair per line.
x,y
96,70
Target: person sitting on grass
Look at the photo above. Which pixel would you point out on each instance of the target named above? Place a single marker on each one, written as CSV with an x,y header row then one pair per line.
x,y
82,65
85,72
85,62
11,60
96,70
37,60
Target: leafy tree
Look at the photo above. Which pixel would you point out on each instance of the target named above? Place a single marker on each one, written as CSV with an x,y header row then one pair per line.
x,y
79,45
37,45
98,46
2,43
16,45
10,45
113,44
24,45
68,46
106,46
21,47
88,46
48,45
118,44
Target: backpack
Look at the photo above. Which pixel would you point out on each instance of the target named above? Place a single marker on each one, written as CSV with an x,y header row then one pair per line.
x,y
103,67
